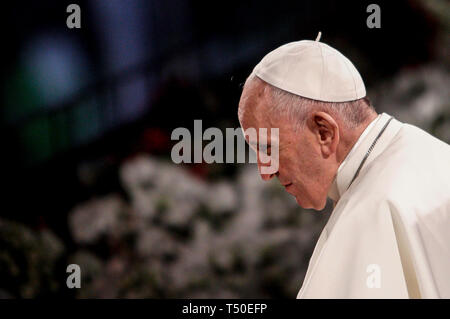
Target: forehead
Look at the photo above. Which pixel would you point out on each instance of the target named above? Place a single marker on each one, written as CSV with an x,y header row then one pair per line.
x,y
253,105
256,114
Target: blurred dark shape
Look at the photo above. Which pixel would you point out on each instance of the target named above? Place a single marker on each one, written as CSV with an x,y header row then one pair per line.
x,y
29,262
155,141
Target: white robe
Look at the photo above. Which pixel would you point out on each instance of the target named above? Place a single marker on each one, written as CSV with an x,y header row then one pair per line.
x,y
389,233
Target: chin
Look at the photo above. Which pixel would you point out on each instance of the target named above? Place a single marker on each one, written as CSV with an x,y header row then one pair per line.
x,y
309,205
302,203
321,206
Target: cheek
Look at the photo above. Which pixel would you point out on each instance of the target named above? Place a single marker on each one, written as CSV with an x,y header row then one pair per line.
x,y
299,165
306,175
311,166
289,167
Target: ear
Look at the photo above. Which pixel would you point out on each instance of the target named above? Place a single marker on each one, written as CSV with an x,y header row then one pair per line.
x,y
326,132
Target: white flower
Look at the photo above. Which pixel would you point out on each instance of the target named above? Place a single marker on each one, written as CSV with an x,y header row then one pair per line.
x,y
96,217
222,197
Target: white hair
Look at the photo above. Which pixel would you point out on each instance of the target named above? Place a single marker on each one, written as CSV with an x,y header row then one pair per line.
x,y
297,108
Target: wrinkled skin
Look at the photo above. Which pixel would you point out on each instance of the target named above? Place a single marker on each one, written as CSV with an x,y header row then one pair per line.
x,y
308,157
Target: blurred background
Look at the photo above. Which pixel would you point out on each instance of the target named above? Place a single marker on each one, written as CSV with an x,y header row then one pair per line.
x,y
86,119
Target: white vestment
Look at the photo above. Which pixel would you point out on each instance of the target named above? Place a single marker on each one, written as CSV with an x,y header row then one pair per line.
x,y
389,233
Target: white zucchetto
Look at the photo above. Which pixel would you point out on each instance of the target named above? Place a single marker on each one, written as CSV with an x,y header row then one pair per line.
x,y
312,69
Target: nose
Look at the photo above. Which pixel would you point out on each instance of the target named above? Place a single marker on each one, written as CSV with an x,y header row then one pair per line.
x,y
266,177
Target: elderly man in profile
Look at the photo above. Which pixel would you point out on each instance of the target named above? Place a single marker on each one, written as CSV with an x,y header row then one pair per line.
x,y
389,233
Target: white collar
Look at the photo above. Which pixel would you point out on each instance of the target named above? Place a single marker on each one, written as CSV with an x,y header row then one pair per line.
x,y
361,137
351,162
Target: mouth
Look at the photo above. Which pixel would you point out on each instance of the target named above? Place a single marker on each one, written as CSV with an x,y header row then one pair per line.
x,y
288,188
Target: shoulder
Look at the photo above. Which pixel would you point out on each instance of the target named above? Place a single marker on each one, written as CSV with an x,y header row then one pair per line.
x,y
413,170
